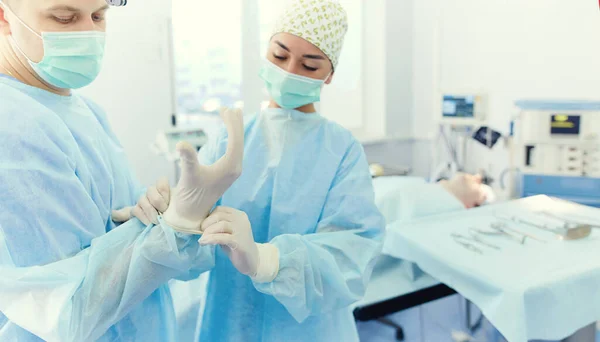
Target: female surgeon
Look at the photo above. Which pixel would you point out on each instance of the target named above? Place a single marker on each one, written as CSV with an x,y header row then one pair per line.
x,y
298,231
67,272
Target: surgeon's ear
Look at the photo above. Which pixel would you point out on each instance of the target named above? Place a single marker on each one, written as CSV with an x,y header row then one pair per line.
x,y
328,80
4,26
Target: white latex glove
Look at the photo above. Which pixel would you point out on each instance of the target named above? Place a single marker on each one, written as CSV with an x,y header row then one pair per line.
x,y
154,201
231,229
201,186
467,188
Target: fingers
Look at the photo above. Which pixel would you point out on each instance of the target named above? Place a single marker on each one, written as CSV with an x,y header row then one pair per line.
x,y
164,189
121,215
215,217
190,166
221,227
148,210
139,213
225,210
226,240
187,153
234,123
156,199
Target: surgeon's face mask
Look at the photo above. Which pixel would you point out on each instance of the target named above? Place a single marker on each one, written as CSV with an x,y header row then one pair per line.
x,y
290,91
72,60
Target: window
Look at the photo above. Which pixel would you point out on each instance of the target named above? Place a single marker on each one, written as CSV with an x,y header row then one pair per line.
x,y
211,73
207,43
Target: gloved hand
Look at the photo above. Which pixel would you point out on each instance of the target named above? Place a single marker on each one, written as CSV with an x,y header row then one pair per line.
x,y
231,229
155,200
201,186
467,188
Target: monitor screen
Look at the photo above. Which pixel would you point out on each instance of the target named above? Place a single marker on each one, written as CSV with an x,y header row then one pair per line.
x,y
565,124
459,107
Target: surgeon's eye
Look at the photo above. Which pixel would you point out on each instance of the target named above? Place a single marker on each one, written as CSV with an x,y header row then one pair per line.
x,y
281,58
98,18
64,20
309,68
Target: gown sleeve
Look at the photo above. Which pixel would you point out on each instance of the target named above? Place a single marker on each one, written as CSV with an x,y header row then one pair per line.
x,y
330,269
51,284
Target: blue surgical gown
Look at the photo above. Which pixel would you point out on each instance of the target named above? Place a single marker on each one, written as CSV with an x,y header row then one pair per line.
x,y
306,188
67,273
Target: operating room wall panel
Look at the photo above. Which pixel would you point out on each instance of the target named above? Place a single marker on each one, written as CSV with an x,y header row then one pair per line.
x,y
134,86
399,153
399,67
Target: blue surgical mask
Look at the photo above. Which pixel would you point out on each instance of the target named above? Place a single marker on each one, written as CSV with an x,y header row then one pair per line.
x,y
290,91
72,60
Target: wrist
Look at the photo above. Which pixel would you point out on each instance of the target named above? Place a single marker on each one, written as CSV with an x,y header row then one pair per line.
x,y
179,223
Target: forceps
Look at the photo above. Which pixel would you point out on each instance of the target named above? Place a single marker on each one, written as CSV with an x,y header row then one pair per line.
x,y
567,233
475,238
517,220
570,223
499,229
467,245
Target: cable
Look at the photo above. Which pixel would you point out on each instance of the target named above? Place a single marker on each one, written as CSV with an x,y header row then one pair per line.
x,y
451,150
434,156
503,175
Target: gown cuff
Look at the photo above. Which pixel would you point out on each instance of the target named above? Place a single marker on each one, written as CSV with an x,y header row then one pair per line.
x,y
179,223
268,263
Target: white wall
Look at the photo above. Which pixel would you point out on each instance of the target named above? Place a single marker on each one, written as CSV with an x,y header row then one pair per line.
x,y
134,86
342,98
509,49
387,70
399,41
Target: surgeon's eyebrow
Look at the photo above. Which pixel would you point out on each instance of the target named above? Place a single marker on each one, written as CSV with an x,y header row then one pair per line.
x,y
282,46
313,56
305,56
73,9
63,8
